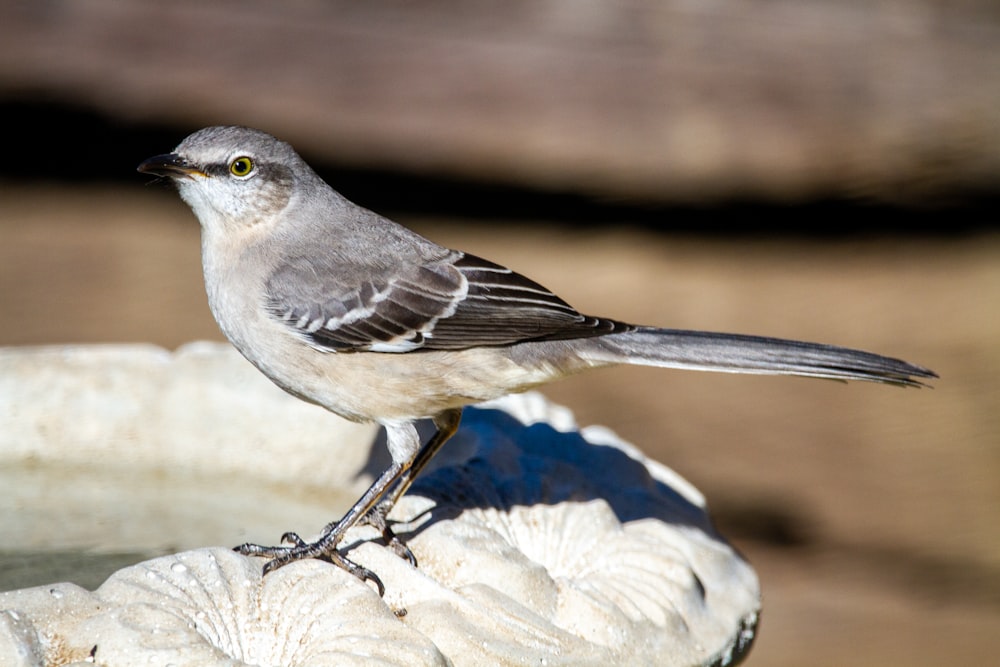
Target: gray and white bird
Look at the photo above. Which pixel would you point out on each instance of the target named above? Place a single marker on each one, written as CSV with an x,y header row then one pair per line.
x,y
353,312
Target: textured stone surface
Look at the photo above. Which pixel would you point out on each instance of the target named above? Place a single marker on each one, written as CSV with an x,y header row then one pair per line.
x,y
538,542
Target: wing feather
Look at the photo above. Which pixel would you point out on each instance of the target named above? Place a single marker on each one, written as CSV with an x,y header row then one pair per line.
x,y
458,302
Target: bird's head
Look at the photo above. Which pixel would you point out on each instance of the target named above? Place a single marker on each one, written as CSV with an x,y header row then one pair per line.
x,y
233,178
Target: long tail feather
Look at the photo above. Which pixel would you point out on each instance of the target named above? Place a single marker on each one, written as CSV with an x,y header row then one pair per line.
x,y
735,353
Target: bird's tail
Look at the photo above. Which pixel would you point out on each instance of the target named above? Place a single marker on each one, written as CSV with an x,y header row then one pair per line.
x,y
734,353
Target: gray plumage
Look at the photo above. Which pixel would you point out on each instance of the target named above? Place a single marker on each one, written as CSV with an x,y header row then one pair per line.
x,y
346,309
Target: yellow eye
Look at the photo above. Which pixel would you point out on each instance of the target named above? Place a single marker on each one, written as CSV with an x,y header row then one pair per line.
x,y
241,166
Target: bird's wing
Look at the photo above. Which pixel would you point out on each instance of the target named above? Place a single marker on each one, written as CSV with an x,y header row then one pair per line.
x,y
457,302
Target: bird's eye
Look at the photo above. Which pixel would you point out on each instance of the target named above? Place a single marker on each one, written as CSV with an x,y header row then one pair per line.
x,y
241,166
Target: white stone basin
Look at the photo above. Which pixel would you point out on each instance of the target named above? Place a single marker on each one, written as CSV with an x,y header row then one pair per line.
x,y
539,543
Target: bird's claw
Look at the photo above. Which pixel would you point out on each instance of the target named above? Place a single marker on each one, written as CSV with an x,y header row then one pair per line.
x,y
322,549
377,519
293,538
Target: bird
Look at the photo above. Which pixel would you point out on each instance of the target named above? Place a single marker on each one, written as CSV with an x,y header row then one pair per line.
x,y
353,312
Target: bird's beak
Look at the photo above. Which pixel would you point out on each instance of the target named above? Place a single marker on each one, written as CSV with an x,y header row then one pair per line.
x,y
170,165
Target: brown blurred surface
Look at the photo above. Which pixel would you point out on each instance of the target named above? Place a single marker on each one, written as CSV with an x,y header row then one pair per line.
x,y
871,513
663,100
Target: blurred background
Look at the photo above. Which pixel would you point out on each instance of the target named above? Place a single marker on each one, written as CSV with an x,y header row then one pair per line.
x,y
822,170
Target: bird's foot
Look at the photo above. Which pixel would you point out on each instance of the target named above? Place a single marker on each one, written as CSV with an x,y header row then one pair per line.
x,y
325,548
377,518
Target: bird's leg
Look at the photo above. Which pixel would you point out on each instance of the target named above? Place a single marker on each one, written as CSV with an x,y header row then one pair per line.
x,y
404,446
447,424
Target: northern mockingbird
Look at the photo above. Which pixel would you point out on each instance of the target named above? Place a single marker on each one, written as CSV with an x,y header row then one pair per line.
x,y
353,312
